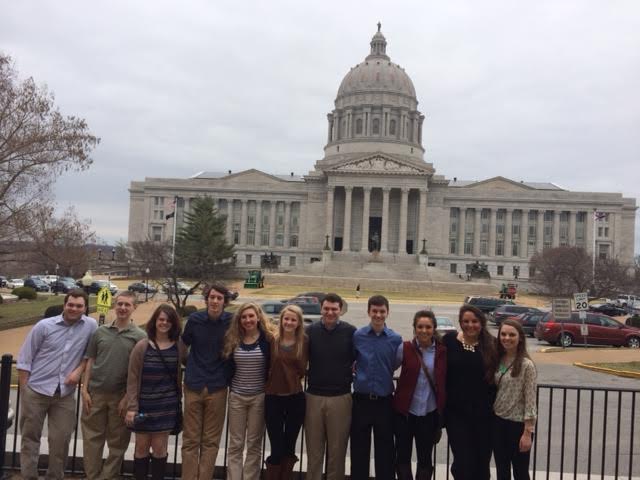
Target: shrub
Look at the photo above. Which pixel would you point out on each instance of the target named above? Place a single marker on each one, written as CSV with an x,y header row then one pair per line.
x,y
26,293
187,310
53,311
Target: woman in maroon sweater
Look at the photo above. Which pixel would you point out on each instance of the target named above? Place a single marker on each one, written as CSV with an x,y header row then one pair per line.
x,y
420,397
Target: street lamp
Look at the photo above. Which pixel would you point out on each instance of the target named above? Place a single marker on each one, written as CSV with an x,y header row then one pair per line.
x,y
113,254
86,283
424,247
146,286
128,268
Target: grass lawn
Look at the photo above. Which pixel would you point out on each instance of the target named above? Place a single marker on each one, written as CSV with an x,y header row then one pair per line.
x,y
619,366
28,309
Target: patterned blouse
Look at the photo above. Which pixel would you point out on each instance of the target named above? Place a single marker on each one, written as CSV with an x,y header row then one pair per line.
x,y
516,398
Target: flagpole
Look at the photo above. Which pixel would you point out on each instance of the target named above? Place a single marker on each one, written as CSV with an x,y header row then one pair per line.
x,y
175,223
593,257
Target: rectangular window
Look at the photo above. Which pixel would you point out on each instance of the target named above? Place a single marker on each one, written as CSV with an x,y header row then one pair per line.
x,y
484,247
500,270
247,259
279,224
453,268
156,234
292,261
251,223
515,249
453,246
499,247
293,241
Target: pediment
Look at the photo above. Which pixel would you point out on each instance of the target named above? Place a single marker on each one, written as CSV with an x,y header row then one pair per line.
x,y
251,176
380,164
499,183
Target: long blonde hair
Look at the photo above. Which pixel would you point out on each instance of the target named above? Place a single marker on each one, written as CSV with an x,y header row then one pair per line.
x,y
235,332
299,333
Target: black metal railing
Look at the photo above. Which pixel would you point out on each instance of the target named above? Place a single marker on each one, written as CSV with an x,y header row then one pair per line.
x,y
581,431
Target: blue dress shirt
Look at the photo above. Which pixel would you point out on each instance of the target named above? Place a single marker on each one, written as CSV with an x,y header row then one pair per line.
x,y
424,398
375,360
52,350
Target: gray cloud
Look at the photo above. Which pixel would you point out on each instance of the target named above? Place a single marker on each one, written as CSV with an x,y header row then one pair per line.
x,y
540,91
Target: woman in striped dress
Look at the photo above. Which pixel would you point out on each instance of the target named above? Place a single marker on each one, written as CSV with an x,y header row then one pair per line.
x,y
247,345
153,391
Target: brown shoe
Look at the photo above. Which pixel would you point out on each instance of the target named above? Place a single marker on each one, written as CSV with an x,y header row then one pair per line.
x,y
288,462
272,472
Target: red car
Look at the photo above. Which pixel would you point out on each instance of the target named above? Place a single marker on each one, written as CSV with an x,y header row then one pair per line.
x,y
602,330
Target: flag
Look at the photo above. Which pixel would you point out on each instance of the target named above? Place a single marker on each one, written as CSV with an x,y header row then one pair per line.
x,y
599,215
171,206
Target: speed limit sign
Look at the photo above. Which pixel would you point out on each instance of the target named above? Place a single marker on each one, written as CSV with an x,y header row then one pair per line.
x,y
581,300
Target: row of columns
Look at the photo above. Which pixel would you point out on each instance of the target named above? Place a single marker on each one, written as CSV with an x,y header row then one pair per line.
x,y
408,124
384,240
244,218
524,230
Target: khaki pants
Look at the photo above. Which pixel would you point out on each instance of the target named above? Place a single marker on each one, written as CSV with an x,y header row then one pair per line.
x,y
104,423
246,421
202,428
326,425
61,420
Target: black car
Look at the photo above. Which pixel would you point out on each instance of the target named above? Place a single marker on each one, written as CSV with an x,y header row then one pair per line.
x,y
37,284
98,285
529,321
140,287
63,286
487,304
608,309
506,311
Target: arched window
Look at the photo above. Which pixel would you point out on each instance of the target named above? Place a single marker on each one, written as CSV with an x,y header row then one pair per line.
x,y
392,127
375,128
359,126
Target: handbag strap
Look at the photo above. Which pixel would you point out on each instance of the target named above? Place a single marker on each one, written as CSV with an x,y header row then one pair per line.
x,y
502,374
424,366
174,375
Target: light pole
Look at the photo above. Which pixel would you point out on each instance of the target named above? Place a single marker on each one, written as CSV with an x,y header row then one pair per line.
x,y
128,268
146,285
86,283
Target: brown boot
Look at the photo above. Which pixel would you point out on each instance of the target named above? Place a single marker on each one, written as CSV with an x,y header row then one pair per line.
x,y
403,472
288,462
272,472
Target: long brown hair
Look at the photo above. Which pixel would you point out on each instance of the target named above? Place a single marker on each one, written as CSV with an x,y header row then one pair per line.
x,y
299,333
427,314
486,342
521,352
173,317
235,332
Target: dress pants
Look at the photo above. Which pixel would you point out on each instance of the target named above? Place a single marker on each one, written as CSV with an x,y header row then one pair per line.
x,y
470,440
61,420
326,426
203,420
284,415
104,423
506,452
371,413
422,429
246,424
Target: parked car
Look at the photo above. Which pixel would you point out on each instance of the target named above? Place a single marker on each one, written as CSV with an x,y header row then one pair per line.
x,y
140,287
624,299
273,309
529,321
608,309
98,285
48,278
15,283
233,294
602,330
37,284
311,311
444,325
63,286
506,311
487,304
182,288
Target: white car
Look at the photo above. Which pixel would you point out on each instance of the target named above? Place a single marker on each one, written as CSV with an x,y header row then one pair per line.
x,y
15,283
444,325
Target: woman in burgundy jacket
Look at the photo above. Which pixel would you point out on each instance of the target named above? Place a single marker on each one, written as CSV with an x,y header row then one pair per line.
x,y
420,396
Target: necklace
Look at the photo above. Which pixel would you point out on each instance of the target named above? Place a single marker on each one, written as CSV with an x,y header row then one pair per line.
x,y
469,347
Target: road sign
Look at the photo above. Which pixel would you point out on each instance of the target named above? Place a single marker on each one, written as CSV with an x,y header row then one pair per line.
x,y
561,308
581,300
104,300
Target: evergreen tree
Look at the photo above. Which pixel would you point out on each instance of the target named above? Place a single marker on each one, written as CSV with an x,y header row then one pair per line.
x,y
202,251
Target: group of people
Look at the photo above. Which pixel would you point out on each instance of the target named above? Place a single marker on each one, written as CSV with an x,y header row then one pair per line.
x,y
244,368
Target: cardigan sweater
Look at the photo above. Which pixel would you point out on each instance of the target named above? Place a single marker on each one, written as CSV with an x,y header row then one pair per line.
x,y
411,368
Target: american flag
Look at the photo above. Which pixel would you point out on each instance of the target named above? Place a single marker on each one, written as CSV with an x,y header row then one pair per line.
x,y
171,206
599,215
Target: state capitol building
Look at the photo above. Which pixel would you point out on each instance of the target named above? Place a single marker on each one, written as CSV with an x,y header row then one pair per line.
x,y
373,198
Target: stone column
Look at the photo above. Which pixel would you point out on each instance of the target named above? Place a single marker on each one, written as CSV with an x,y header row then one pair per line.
x,y
462,220
346,236
230,221
404,213
329,215
492,232
243,223
258,240
508,232
524,234
272,223
287,223
367,121
477,227
365,220
556,229
572,229
422,219
384,241
540,231
589,233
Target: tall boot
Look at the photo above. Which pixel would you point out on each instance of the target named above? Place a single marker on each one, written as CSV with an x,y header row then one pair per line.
x,y
272,472
403,472
140,468
287,464
423,473
158,466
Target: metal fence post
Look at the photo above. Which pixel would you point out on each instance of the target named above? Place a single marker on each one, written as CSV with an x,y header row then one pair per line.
x,y
5,390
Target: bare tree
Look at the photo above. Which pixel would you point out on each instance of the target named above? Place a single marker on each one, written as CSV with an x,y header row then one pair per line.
x,y
37,144
611,278
562,270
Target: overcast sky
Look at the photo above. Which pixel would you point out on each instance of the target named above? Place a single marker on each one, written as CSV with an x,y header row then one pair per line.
x,y
539,91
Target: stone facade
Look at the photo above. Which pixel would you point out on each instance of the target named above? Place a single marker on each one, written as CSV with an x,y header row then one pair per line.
x,y
374,196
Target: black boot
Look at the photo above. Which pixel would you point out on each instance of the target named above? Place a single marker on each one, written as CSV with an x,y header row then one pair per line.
x,y
423,473
158,466
140,468
403,472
